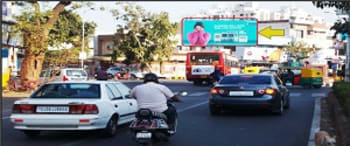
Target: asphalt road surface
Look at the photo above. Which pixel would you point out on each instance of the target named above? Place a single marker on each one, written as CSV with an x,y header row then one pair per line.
x,y
196,126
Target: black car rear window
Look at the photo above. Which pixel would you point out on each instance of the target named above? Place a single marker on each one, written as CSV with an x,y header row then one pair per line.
x,y
69,90
246,79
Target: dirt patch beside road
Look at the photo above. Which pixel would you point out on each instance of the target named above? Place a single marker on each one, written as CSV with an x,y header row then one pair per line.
x,y
9,94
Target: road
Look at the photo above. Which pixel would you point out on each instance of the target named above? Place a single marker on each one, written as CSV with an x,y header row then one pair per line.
x,y
196,126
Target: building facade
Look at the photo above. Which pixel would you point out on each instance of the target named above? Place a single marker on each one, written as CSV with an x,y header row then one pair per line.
x,y
298,25
11,52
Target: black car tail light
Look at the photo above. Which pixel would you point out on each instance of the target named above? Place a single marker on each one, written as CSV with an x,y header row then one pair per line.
x,y
218,91
267,91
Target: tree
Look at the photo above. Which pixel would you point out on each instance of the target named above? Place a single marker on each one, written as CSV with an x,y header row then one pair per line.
x,y
299,50
144,37
36,27
342,27
67,30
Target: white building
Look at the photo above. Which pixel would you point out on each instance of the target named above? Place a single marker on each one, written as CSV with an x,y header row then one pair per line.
x,y
298,25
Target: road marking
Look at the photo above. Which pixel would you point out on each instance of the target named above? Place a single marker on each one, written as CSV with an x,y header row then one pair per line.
x,y
316,120
318,95
192,106
179,111
294,94
198,94
3,118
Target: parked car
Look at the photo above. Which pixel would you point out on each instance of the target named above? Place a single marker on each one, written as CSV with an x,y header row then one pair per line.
x,y
249,91
112,71
75,105
66,74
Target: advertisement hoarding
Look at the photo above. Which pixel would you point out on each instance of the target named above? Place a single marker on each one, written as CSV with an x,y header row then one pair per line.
x,y
219,32
281,40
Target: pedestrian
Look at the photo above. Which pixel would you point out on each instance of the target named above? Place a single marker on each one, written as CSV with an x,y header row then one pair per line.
x,y
307,64
290,76
102,74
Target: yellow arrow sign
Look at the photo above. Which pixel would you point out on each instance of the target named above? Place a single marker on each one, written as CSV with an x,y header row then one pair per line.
x,y
268,32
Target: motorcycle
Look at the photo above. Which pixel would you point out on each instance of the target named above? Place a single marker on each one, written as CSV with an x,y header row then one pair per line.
x,y
150,127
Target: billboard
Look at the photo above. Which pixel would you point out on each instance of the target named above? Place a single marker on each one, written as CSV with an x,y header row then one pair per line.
x,y
268,33
203,31
262,54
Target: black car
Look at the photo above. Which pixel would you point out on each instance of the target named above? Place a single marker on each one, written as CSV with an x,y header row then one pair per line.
x,y
249,91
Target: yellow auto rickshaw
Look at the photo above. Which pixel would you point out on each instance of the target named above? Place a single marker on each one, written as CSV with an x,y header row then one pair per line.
x,y
311,77
252,70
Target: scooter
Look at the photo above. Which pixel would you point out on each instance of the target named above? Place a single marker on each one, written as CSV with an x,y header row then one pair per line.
x,y
151,127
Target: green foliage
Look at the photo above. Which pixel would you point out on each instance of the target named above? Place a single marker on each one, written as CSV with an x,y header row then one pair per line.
x,y
342,92
67,29
339,26
299,50
143,37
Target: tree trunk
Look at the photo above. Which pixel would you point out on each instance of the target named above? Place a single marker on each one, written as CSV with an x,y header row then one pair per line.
x,y
31,68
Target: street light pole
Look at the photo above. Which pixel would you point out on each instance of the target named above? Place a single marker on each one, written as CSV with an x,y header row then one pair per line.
x,y
82,47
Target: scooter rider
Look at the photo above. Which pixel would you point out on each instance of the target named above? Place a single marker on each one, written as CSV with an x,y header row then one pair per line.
x,y
152,95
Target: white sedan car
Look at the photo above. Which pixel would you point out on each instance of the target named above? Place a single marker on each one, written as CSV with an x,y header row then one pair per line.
x,y
75,105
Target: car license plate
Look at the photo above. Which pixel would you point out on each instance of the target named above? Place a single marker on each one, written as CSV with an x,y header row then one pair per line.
x,y
52,109
143,135
241,93
203,76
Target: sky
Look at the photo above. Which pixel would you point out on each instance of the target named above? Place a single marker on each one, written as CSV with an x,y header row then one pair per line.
x,y
106,23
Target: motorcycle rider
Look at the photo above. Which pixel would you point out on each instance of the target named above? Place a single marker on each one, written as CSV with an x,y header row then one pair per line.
x,y
152,95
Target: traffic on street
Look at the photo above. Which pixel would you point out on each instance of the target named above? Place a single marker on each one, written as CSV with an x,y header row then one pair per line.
x,y
175,74
196,124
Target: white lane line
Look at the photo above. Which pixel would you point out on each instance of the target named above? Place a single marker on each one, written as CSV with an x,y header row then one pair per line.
x,y
179,111
198,94
3,118
316,119
294,94
192,106
318,95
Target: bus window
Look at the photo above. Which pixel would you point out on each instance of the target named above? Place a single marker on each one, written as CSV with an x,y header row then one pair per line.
x,y
204,59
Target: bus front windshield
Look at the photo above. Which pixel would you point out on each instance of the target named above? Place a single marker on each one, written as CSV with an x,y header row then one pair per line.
x,y
204,59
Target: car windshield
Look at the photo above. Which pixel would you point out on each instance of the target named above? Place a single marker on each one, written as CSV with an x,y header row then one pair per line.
x,y
204,59
69,90
76,73
246,79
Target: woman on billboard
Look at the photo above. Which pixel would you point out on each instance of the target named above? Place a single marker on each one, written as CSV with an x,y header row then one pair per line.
x,y
198,37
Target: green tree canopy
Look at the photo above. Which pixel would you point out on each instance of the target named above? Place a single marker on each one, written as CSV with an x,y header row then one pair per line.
x,y
299,50
143,37
342,27
44,27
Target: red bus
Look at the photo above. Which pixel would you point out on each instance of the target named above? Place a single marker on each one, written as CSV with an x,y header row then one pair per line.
x,y
199,65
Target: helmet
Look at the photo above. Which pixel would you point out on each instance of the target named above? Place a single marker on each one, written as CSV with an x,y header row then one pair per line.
x,y
150,77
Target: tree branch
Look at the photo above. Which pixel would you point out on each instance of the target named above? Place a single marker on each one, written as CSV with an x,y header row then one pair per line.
x,y
56,11
37,12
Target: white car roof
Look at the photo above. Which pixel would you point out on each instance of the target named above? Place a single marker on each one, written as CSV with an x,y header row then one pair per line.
x,y
89,82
